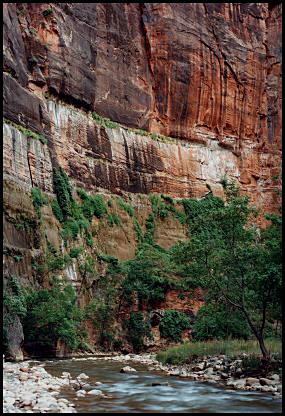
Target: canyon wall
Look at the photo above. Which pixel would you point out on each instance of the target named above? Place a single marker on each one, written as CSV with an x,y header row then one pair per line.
x,y
206,74
195,88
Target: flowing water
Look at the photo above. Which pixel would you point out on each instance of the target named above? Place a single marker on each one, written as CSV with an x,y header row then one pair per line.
x,y
134,393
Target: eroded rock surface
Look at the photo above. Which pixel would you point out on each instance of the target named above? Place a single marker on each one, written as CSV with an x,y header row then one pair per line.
x,y
207,74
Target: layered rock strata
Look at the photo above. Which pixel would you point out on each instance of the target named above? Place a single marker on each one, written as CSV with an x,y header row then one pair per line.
x,y
206,74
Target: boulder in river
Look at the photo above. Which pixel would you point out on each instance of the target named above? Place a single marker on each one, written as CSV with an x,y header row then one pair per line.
x,y
251,380
95,392
82,376
80,393
158,383
127,369
266,382
275,377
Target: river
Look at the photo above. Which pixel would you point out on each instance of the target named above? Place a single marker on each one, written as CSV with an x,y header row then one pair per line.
x,y
133,392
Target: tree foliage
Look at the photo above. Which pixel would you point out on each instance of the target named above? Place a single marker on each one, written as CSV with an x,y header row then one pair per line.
x,y
239,264
149,274
173,323
52,315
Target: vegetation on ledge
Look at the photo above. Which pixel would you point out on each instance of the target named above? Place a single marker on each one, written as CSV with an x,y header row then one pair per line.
x,y
187,352
225,253
108,123
26,132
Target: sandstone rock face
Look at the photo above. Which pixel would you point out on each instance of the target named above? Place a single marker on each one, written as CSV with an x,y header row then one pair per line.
x,y
207,74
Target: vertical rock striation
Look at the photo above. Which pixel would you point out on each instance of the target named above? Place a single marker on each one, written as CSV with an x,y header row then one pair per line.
x,y
206,74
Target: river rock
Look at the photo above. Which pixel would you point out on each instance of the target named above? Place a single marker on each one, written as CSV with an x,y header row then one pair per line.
x,y
45,403
251,380
127,369
193,376
199,366
224,376
158,383
236,383
82,376
266,382
23,377
275,377
80,393
95,392
209,371
268,388
174,372
213,377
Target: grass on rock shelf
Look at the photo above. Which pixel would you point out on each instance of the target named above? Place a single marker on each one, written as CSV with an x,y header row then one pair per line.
x,y
186,352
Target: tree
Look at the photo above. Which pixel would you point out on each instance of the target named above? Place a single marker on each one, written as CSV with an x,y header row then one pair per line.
x,y
238,263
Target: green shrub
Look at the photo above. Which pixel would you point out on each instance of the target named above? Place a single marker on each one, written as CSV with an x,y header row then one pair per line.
x,y
163,206
138,231
137,328
52,315
92,205
75,251
149,275
88,208
100,208
63,191
89,240
113,219
101,312
70,230
14,301
17,258
181,217
57,210
88,266
58,262
38,200
172,324
114,265
150,225
168,199
126,207
82,193
117,344
104,121
219,322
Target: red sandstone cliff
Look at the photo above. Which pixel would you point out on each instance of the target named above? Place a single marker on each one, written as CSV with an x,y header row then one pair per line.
x,y
207,74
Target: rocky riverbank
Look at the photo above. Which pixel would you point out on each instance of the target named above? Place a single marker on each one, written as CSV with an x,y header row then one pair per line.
x,y
31,389
220,370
